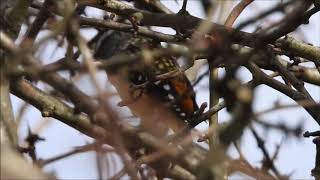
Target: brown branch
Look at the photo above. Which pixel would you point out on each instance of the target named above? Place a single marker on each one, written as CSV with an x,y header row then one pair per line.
x,y
13,20
297,48
65,114
246,168
7,120
190,160
297,84
269,162
167,20
298,16
308,134
36,26
277,107
280,7
236,11
84,21
14,166
205,116
316,171
77,150
52,107
81,101
306,74
297,96
157,5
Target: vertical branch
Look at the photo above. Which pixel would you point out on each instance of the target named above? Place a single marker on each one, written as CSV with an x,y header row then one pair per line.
x,y
214,100
214,143
99,163
316,171
14,19
268,160
207,5
11,23
184,5
35,27
6,114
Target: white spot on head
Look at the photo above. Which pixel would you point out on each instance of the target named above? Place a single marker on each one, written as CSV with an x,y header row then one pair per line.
x,y
170,96
166,87
157,82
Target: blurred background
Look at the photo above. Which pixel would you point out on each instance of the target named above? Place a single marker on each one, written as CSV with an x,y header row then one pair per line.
x,y
296,156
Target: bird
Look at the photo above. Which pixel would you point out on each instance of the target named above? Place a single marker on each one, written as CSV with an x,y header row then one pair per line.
x,y
163,104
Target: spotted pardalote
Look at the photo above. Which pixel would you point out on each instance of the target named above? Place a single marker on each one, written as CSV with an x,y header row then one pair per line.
x,y
156,102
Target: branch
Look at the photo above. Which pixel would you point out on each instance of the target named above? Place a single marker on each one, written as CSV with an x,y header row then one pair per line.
x,y
109,24
169,20
246,168
52,107
37,24
13,20
214,101
299,15
297,48
296,96
269,161
81,101
189,22
190,158
236,11
57,109
316,171
310,75
7,121
14,166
